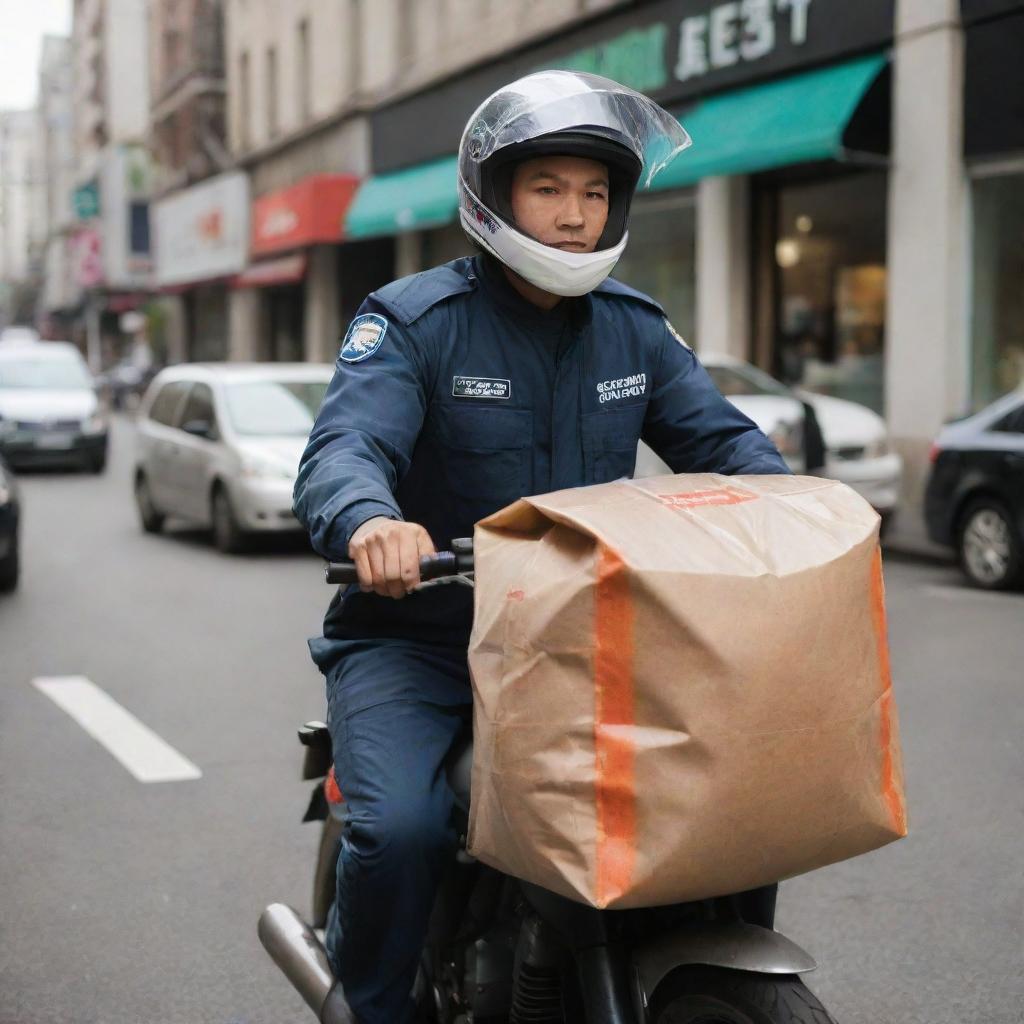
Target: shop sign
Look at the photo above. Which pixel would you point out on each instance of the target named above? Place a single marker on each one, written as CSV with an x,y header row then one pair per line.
x,y
124,190
86,200
203,232
308,213
734,32
673,50
87,258
723,35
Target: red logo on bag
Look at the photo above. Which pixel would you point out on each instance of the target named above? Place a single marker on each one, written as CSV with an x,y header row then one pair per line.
x,y
698,499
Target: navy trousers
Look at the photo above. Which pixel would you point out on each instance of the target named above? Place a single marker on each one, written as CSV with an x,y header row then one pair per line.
x,y
389,753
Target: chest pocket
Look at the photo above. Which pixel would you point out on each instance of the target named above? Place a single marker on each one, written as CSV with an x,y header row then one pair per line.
x,y
610,437
485,454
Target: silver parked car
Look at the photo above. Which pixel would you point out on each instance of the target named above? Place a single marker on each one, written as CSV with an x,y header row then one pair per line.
x,y
49,412
219,445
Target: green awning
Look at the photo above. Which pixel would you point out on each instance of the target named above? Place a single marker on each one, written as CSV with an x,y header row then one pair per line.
x,y
425,196
791,120
787,121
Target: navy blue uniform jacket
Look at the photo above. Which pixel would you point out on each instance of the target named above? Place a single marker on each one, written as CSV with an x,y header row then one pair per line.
x,y
475,398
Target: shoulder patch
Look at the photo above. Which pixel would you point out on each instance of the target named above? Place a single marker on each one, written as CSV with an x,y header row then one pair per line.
x,y
675,334
609,286
364,337
408,298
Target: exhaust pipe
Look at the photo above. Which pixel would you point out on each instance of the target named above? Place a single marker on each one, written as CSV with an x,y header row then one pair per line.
x,y
294,947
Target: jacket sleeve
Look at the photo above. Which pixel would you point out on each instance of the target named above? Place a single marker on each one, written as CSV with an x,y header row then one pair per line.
x,y
362,441
693,428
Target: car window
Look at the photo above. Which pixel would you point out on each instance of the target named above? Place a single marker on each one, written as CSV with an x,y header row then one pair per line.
x,y
36,373
746,380
199,406
167,402
272,408
1012,422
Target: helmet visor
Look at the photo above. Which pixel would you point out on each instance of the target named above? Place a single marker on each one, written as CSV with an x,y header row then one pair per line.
x,y
556,101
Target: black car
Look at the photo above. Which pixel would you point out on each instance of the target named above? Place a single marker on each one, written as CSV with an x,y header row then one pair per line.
x,y
9,511
974,500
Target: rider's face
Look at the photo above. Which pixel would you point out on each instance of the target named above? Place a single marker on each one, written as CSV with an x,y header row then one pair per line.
x,y
561,201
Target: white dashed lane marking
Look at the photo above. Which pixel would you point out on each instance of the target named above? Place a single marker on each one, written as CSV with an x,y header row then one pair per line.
x,y
136,746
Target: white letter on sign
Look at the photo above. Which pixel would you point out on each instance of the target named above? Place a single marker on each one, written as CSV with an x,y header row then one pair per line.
x,y
723,35
797,19
693,55
758,29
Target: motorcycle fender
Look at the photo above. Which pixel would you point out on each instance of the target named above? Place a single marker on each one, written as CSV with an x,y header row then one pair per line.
x,y
739,946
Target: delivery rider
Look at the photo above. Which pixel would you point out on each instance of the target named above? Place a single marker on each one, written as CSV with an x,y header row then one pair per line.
x,y
521,370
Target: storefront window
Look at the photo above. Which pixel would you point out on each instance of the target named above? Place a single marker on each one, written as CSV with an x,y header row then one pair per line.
x,y
997,308
829,255
660,257
441,245
208,323
284,308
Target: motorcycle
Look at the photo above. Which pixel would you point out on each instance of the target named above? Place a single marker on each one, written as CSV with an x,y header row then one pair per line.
x,y
500,949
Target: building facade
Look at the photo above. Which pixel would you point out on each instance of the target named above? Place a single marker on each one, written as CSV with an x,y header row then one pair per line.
x,y
56,155
109,246
19,209
304,79
198,227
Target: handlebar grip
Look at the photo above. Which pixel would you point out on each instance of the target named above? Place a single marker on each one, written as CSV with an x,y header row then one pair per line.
x,y
444,563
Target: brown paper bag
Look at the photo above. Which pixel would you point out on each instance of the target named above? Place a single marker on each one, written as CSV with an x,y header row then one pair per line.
x,y
681,687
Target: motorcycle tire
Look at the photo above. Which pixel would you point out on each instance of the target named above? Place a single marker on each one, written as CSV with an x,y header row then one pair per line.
x,y
716,995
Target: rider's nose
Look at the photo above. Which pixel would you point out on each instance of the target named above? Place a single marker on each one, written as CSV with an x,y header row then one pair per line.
x,y
571,213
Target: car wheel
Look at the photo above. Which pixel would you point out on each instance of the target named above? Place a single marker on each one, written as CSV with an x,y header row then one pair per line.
x,y
228,536
97,462
9,567
990,550
151,518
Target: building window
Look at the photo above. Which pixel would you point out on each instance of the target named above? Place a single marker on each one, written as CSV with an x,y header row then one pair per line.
x,y
827,251
997,306
406,35
304,73
353,49
244,101
273,125
660,259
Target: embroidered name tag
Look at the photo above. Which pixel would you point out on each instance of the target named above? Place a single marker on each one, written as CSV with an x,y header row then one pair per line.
x,y
481,387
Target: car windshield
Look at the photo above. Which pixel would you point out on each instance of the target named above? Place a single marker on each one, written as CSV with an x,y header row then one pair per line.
x,y
51,374
274,408
746,380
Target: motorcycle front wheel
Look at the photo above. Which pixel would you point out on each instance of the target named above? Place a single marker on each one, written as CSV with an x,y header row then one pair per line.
x,y
716,995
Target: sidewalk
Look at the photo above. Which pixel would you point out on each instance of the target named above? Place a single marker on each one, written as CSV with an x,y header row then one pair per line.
x,y
908,539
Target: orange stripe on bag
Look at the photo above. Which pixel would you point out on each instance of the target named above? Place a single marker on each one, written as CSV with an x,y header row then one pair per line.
x,y
615,781
891,792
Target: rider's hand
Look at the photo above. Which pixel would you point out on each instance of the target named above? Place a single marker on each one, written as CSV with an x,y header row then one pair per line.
x,y
387,555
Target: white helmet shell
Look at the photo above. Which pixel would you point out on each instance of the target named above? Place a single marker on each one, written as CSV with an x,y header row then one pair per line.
x,y
553,103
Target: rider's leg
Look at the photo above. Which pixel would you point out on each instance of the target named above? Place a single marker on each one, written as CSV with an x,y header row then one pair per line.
x,y
399,837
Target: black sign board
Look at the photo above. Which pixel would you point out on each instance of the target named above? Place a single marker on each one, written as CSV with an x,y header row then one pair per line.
x,y
673,50
994,86
976,10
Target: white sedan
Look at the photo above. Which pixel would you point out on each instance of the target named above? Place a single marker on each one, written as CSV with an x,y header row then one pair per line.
x,y
219,444
857,448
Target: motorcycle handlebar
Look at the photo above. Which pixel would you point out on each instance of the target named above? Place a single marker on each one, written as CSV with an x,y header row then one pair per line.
x,y
432,567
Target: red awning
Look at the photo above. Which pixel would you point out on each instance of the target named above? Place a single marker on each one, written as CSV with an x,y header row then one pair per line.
x,y
264,273
309,213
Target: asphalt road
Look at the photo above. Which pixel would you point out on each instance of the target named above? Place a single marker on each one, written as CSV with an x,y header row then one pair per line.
x,y
131,902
